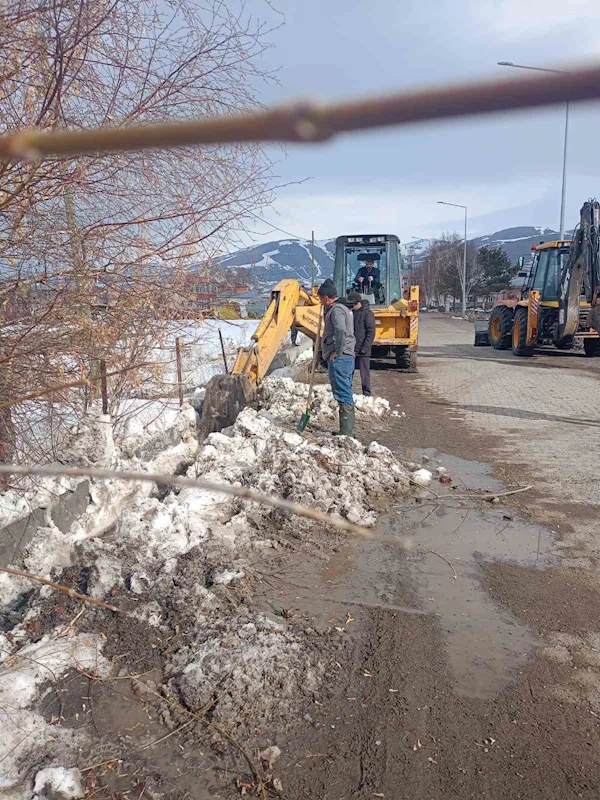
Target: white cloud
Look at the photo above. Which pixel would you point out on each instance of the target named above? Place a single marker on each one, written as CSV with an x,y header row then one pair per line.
x,y
390,210
532,19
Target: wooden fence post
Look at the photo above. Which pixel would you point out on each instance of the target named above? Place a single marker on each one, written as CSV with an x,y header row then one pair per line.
x,y
179,374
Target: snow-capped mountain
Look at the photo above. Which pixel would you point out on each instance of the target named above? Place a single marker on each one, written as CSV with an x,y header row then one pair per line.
x,y
288,258
517,241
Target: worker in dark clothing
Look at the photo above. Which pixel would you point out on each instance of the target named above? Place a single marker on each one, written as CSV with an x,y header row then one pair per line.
x,y
364,333
368,279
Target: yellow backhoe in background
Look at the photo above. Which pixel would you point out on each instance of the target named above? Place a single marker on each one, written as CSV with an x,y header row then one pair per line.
x,y
557,304
396,324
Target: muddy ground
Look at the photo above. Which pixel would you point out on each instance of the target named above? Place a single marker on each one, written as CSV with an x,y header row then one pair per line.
x,y
463,702
464,667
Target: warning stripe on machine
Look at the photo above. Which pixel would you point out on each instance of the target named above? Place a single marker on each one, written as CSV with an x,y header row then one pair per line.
x,y
414,321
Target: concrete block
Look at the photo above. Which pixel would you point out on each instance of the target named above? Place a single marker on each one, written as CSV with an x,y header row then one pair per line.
x,y
15,537
70,505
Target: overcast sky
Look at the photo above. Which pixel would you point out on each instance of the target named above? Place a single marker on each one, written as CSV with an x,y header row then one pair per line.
x,y
505,168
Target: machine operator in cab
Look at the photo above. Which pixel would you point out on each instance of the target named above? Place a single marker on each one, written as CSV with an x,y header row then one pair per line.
x,y
368,279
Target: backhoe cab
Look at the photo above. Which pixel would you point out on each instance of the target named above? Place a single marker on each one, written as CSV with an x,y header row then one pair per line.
x,y
376,259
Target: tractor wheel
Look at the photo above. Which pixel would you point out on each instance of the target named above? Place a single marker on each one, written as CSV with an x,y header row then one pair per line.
x,y
568,345
406,360
500,327
591,348
519,334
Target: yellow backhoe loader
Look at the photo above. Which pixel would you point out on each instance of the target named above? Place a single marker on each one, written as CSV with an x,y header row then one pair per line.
x,y
557,305
396,321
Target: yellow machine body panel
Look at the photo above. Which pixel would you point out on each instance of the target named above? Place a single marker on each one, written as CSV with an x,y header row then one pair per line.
x,y
398,324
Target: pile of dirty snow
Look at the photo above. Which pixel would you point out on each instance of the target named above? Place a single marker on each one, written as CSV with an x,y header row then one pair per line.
x,y
181,564
286,399
338,475
25,732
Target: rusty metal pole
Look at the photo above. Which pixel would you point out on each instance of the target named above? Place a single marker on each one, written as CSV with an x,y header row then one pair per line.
x,y
179,375
104,386
223,352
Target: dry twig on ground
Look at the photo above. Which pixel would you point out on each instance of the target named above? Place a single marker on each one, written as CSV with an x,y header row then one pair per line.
x,y
64,589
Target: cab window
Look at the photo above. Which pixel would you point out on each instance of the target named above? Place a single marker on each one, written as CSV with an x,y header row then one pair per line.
x,y
556,261
373,280
540,271
551,283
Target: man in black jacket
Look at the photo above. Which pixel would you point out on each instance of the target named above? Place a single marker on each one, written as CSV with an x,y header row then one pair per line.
x,y
368,280
364,333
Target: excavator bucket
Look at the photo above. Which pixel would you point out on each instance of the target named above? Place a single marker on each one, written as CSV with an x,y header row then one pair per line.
x,y
225,397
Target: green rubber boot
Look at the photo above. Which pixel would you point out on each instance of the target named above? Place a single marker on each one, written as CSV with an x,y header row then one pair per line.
x,y
346,421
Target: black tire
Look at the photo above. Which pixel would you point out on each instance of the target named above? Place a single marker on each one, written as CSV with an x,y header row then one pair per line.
x,y
519,334
591,348
406,360
568,345
482,339
500,327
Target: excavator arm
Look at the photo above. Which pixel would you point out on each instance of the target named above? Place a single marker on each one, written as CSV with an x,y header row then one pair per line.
x,y
582,271
226,395
290,305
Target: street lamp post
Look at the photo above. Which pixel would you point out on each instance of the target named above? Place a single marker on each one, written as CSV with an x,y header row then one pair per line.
x,y
563,193
464,269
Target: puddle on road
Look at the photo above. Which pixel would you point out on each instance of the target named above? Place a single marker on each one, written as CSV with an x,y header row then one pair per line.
x,y
485,644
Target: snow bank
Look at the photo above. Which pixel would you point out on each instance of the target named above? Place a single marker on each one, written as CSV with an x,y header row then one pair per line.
x,y
50,549
89,443
286,399
180,564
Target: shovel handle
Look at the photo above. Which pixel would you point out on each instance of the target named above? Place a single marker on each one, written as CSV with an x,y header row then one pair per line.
x,y
314,361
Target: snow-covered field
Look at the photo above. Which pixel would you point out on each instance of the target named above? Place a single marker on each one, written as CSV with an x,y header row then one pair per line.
x,y
201,359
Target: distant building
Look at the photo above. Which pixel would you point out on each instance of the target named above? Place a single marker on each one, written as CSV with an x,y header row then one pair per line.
x,y
204,292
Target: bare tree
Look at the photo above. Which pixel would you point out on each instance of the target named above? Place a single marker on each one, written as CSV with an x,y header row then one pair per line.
x,y
93,251
441,269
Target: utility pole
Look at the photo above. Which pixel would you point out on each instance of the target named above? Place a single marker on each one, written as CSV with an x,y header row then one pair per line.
x,y
563,192
312,258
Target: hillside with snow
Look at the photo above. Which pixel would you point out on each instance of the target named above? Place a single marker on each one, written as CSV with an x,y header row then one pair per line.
x,y
270,262
517,241
288,258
